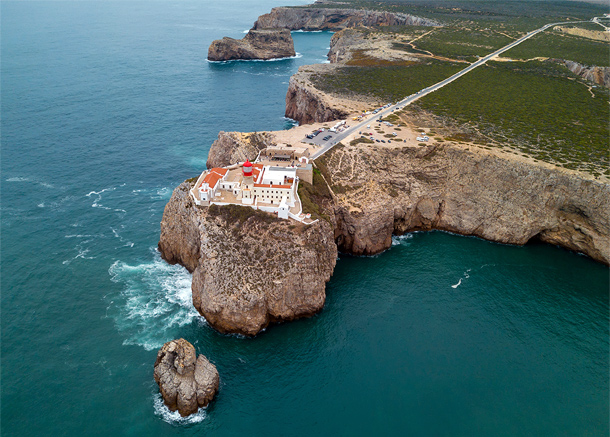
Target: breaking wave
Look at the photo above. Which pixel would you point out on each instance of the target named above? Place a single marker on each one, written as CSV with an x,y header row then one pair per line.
x,y
155,300
173,417
297,56
401,240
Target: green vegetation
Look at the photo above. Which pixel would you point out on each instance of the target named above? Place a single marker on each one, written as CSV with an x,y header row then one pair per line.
x,y
459,43
236,214
533,106
314,195
192,180
563,46
515,16
387,83
361,140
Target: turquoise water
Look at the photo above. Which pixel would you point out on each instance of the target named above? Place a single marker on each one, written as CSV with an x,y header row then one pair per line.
x,y
106,107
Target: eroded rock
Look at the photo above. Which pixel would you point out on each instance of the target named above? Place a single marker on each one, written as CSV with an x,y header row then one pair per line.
x,y
262,44
186,382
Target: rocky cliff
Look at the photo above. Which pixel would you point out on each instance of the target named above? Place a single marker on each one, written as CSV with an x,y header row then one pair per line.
x,y
598,75
249,268
234,147
260,44
335,19
306,104
382,191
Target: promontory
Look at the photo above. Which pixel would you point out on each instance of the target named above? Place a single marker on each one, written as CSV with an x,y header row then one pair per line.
x,y
261,44
388,145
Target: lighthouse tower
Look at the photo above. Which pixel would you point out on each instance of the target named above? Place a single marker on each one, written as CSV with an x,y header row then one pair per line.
x,y
247,184
247,168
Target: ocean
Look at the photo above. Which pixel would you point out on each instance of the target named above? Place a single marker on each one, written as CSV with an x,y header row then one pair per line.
x,y
106,107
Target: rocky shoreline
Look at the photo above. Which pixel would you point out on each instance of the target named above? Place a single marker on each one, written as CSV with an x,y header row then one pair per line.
x,y
251,269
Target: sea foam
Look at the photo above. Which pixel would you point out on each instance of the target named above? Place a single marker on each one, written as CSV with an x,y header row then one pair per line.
x,y
174,417
155,299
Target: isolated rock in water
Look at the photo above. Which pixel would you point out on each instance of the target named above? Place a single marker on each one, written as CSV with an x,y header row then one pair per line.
x,y
187,382
260,44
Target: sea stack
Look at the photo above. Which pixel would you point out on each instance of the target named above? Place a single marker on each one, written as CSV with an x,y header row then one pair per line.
x,y
187,382
260,44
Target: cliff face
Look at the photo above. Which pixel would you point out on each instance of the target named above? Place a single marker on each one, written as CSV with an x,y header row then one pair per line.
x,y
250,268
306,104
490,195
261,44
598,75
334,19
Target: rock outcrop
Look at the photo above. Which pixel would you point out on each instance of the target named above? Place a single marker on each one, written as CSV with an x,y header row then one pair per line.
x,y
598,75
306,104
309,19
233,147
261,44
251,268
186,382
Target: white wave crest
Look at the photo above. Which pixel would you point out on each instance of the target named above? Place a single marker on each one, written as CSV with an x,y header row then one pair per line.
x,y
297,56
82,253
158,193
155,300
173,417
27,179
401,240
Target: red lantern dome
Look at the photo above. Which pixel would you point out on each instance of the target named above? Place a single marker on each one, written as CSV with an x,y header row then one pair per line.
x,y
247,169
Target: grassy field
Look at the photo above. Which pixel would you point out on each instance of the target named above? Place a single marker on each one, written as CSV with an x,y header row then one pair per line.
x,y
386,83
534,107
552,44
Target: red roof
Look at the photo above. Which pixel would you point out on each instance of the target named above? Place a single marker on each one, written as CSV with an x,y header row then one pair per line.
x,y
214,176
247,163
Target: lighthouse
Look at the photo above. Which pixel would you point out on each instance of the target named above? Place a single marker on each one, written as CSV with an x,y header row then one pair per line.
x,y
247,168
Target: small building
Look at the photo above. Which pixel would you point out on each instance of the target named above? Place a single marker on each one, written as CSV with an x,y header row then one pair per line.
x,y
210,184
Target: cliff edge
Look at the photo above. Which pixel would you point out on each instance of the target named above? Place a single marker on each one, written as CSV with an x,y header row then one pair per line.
x,y
309,19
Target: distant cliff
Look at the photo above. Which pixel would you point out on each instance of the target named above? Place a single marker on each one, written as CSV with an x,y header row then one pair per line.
x,y
262,44
309,19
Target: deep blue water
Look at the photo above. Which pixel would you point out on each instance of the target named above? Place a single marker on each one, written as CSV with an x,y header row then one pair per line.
x,y
106,107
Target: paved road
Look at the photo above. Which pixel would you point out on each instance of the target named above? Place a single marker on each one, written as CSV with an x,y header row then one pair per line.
x,y
360,126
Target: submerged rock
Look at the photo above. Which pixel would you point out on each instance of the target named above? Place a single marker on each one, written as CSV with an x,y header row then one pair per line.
x,y
262,44
187,382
